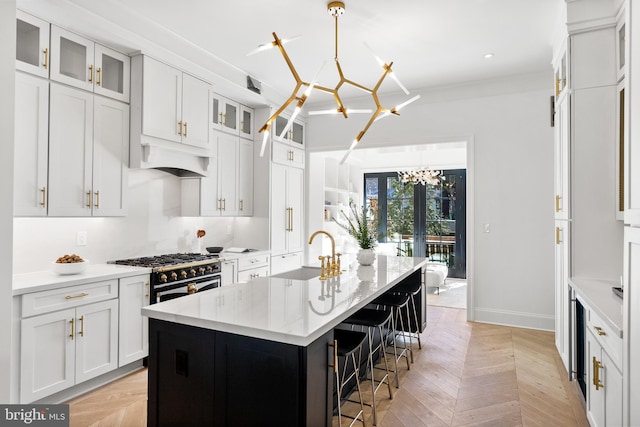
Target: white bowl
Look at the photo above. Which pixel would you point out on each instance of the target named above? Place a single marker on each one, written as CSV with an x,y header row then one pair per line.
x,y
69,268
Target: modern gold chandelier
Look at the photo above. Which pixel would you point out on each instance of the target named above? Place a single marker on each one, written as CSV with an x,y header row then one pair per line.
x,y
335,9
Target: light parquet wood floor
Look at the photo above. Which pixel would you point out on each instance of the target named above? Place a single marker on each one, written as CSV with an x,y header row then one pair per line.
x,y
467,374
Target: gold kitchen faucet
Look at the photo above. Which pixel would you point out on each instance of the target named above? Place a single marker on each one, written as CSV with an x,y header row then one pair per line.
x,y
332,267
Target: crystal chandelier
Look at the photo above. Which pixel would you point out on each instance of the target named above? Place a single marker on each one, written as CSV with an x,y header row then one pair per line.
x,y
335,9
421,176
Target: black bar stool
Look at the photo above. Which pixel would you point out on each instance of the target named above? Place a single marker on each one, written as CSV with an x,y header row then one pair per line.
x,y
412,290
348,343
375,320
396,303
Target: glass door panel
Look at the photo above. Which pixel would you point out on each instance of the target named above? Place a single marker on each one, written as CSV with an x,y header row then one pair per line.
x,y
400,215
73,57
112,74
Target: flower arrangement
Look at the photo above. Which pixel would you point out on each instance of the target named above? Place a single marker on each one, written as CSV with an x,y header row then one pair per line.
x,y
364,231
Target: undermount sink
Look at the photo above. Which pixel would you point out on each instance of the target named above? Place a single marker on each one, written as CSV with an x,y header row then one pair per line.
x,y
302,273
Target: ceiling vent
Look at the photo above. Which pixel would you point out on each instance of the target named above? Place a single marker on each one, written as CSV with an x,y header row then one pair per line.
x,y
254,85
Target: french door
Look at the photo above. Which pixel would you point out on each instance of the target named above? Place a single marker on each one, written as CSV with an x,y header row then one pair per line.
x,y
422,220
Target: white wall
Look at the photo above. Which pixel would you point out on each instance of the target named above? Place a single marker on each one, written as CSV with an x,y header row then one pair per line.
x,y
509,124
152,226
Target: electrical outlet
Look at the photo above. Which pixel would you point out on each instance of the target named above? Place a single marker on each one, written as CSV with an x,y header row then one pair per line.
x,y
81,238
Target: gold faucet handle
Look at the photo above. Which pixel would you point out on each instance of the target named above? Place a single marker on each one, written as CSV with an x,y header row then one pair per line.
x,y
322,276
338,268
329,266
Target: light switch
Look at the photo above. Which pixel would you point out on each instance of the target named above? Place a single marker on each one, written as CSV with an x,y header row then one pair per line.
x,y
81,238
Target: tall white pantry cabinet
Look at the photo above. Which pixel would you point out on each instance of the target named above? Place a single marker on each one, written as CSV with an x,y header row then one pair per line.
x,y
589,125
631,179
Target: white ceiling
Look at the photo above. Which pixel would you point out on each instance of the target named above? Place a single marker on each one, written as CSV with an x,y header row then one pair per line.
x,y
431,42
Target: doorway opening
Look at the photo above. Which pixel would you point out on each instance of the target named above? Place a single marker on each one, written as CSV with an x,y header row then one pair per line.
x,y
422,220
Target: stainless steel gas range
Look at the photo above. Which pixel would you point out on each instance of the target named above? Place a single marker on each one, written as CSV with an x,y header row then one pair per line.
x,y
178,275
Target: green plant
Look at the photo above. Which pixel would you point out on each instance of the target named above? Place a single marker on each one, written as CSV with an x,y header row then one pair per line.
x,y
360,228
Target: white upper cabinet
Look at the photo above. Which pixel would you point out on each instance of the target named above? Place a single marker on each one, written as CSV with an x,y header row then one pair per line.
x,y
295,135
245,178
31,146
225,114
88,144
246,122
81,63
175,105
32,44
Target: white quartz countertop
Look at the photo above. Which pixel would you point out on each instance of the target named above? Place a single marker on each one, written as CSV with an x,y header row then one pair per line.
x,y
597,294
284,310
45,280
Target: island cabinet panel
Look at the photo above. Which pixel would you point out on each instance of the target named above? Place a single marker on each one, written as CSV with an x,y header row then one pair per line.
x,y
181,374
267,383
203,377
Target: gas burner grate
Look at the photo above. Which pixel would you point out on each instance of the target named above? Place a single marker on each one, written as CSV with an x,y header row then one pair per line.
x,y
166,260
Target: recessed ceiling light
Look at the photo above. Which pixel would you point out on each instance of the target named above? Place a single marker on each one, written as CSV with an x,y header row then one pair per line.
x,y
488,55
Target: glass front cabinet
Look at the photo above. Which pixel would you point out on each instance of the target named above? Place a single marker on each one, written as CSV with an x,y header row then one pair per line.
x,y
81,63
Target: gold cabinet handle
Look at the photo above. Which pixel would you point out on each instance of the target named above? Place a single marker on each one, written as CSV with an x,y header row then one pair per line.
x,y
45,64
185,129
224,204
73,328
43,203
558,231
97,203
219,204
596,373
224,119
89,199
81,326
558,198
335,356
180,128
557,87
242,126
147,285
80,295
99,76
599,330
220,118
241,205
90,73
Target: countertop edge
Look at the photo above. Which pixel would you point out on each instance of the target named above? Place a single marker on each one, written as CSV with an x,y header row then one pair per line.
x,y
598,295
26,283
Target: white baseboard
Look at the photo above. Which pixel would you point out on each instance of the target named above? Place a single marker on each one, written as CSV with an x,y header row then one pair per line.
x,y
514,318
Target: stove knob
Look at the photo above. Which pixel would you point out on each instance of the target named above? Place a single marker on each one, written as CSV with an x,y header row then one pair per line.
x,y
163,278
209,269
183,274
192,272
201,270
174,276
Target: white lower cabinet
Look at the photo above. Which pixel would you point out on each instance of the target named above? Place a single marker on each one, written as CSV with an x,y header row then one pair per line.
x,y
67,347
253,266
604,376
286,262
134,327
229,271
